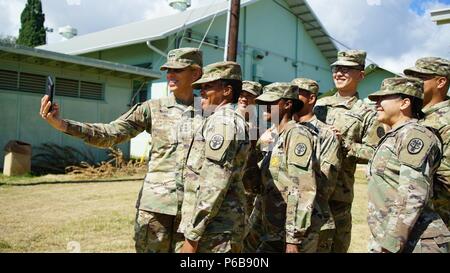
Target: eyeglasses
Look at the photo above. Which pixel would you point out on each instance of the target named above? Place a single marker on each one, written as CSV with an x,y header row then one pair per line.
x,y
343,69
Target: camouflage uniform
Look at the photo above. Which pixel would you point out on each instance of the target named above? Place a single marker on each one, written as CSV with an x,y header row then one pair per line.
x,y
254,227
159,199
289,211
252,177
330,159
401,216
213,210
438,117
360,132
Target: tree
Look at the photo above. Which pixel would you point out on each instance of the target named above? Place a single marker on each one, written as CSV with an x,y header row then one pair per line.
x,y
32,32
9,40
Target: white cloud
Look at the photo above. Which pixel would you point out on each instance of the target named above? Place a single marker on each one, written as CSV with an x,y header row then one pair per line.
x,y
10,11
373,2
73,2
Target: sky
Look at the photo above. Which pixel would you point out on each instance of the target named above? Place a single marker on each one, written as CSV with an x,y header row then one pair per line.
x,y
394,32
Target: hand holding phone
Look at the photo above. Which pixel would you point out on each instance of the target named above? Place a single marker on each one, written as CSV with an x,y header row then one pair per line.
x,y
50,91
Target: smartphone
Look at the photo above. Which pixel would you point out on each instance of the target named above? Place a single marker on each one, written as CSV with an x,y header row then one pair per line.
x,y
50,91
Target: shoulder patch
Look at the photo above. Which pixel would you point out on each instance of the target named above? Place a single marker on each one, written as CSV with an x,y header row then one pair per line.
x,y
380,132
299,149
415,148
415,145
218,139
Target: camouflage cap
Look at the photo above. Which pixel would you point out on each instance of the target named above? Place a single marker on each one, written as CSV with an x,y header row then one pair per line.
x,y
219,71
306,84
277,91
253,88
394,86
351,58
183,57
430,66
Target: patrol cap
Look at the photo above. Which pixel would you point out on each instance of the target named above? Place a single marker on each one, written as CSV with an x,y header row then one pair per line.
x,y
430,66
219,71
306,84
253,88
405,85
181,58
351,58
277,91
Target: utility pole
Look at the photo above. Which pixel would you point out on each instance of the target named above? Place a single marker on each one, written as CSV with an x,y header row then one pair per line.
x,y
232,33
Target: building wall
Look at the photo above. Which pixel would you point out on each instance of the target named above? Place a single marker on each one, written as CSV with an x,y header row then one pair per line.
x,y
21,120
372,82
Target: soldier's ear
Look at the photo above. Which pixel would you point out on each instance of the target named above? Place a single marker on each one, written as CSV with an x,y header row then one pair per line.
x,y
443,82
362,75
197,73
406,103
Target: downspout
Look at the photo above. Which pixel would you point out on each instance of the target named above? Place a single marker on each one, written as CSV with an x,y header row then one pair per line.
x,y
154,48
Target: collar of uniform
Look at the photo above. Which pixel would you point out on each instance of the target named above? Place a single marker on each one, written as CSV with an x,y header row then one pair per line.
x,y
347,102
401,125
225,107
287,126
437,107
173,101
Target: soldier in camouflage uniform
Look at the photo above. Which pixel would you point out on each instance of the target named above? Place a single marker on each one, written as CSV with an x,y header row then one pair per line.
x,y
435,72
401,215
247,108
213,210
356,125
289,213
330,156
159,202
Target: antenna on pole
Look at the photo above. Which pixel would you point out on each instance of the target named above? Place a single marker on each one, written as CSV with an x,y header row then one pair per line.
x,y
232,33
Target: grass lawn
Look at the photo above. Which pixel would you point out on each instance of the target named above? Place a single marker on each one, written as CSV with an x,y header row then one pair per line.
x,y
60,213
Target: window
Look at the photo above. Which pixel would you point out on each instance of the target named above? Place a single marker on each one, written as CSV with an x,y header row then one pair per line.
x,y
33,83
91,90
66,87
8,79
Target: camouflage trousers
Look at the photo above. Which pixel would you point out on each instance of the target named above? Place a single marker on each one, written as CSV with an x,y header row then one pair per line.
x,y
214,243
425,245
254,230
325,240
442,207
308,245
343,220
155,232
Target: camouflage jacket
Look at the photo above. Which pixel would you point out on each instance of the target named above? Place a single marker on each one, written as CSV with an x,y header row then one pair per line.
x,y
171,125
214,197
438,117
400,188
330,163
289,207
360,132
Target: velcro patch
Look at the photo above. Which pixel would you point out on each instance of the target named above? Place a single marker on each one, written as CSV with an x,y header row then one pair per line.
x,y
218,138
300,149
415,149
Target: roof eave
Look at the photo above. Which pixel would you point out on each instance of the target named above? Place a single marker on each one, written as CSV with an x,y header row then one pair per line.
x,y
78,60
